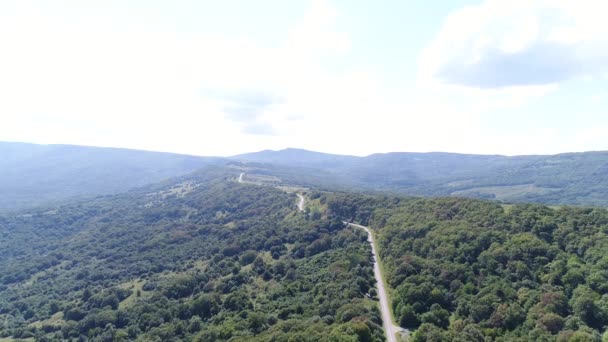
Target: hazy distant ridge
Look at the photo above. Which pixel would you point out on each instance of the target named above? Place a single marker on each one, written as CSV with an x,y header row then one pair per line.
x,y
569,178
33,174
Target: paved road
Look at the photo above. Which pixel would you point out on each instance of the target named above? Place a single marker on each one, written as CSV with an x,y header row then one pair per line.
x,y
301,202
300,197
390,329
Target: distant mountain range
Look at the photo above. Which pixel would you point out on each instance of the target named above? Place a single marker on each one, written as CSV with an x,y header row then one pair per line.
x,y
33,175
570,178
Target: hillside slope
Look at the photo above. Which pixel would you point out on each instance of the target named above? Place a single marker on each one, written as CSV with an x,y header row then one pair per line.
x,y
32,175
200,258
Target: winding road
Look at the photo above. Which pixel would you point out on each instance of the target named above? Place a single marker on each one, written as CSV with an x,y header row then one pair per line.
x,y
390,329
300,202
300,197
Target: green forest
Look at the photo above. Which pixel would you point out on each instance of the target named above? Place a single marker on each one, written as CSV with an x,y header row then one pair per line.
x,y
202,258
205,258
469,270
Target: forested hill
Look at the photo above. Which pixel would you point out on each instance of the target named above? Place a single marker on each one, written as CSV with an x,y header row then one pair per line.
x,y
32,175
202,258
205,258
572,178
470,270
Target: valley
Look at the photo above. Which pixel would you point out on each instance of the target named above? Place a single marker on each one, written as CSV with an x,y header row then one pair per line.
x,y
569,178
80,172
303,171
257,252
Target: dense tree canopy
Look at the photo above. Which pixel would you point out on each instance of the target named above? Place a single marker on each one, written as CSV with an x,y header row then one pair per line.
x,y
202,258
467,270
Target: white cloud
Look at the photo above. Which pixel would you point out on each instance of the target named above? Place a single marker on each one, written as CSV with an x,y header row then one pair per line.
x,y
109,80
519,43
105,82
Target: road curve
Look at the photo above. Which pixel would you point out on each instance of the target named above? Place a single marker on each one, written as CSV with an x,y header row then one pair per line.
x,y
390,329
300,197
300,202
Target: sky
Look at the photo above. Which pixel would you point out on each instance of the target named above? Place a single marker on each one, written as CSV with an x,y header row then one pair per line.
x,y
339,76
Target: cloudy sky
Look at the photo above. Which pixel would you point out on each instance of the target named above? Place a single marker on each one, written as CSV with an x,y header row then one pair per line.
x,y
341,76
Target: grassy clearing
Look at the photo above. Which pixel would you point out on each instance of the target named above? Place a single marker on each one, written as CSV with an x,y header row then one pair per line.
x,y
43,273
507,208
261,179
292,189
135,286
506,193
55,320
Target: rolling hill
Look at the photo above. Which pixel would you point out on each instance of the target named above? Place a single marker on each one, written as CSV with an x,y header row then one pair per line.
x,y
197,258
203,257
571,178
32,175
